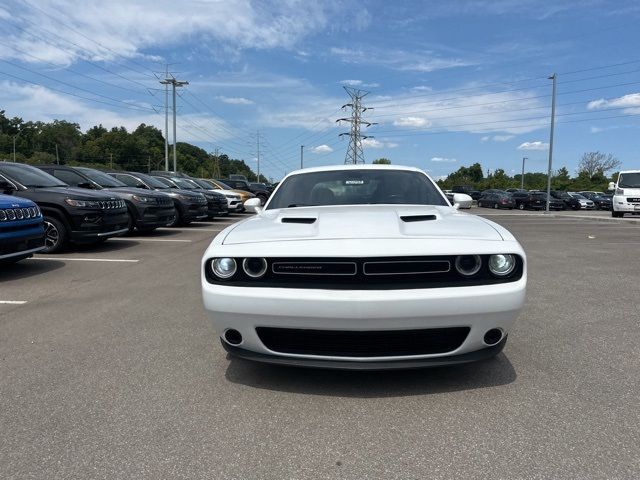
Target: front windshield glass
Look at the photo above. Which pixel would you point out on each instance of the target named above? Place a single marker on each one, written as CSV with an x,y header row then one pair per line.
x,y
578,196
223,185
629,180
356,187
184,184
202,183
164,182
152,181
101,178
29,176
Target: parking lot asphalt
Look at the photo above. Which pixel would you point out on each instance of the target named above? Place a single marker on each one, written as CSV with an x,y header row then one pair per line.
x,y
109,369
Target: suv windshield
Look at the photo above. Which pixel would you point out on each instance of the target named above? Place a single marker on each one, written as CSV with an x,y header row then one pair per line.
x,y
356,187
29,176
629,180
201,183
101,178
184,184
152,181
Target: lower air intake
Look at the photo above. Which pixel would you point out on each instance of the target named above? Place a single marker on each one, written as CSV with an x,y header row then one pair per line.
x,y
348,343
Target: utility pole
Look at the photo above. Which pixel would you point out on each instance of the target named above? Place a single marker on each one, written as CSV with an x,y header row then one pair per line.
x,y
174,84
553,77
57,157
166,83
111,162
355,154
301,156
522,177
14,145
258,145
216,166
148,163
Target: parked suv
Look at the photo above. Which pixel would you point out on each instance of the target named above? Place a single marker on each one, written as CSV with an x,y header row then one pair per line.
x,y
536,201
147,210
467,189
599,199
189,206
21,227
216,203
261,193
70,214
568,200
234,202
496,200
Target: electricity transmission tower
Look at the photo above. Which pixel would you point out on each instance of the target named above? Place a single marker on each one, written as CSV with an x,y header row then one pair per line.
x,y
354,152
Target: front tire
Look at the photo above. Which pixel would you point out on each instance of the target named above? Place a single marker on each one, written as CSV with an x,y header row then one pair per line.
x,y
177,221
615,214
495,206
56,235
521,206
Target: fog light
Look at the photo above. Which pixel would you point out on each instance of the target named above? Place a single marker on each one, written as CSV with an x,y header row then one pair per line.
x,y
468,265
501,265
224,267
254,267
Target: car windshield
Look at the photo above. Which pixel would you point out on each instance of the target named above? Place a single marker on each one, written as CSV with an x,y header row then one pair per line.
x,y
356,187
29,176
166,183
629,180
202,183
222,185
184,184
152,181
101,178
578,196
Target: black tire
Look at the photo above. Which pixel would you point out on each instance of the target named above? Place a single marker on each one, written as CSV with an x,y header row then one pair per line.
x,y
495,206
521,206
617,214
177,221
56,235
131,225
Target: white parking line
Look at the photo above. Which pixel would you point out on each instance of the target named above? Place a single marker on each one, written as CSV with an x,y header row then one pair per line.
x,y
139,239
12,302
68,259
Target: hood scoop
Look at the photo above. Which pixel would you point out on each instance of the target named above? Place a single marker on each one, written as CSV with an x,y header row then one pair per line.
x,y
305,220
417,218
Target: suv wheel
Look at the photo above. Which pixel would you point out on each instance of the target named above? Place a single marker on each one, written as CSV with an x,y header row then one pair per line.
x,y
521,206
55,235
495,205
177,220
617,214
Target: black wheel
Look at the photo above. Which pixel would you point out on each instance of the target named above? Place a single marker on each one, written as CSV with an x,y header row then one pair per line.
x,y
130,223
495,206
617,214
177,221
55,235
521,206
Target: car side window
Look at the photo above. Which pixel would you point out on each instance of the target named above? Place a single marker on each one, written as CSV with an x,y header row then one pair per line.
x,y
68,177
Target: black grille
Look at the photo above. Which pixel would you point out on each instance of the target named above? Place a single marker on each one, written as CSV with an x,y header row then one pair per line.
x,y
349,343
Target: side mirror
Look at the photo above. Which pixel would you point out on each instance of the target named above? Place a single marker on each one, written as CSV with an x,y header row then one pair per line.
x,y
6,186
461,200
142,185
612,186
253,205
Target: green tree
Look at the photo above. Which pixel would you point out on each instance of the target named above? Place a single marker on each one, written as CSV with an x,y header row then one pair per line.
x,y
381,161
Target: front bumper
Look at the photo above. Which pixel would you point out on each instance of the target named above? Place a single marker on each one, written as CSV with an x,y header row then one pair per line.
x,y
153,217
91,226
480,308
620,204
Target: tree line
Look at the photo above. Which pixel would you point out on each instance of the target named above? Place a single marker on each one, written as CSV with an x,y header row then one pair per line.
x,y
140,150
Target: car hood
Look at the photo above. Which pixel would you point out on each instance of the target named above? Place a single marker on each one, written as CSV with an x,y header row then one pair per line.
x,y
8,201
143,192
362,222
72,192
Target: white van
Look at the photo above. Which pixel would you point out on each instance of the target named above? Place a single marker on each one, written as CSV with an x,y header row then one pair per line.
x,y
626,196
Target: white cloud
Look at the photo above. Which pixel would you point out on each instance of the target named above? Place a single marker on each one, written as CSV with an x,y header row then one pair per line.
x,y
596,129
392,145
533,146
322,149
502,138
358,83
129,28
630,103
412,122
235,100
485,139
443,159
40,103
372,143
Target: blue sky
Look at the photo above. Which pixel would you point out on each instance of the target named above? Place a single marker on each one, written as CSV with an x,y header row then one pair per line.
x,y
451,83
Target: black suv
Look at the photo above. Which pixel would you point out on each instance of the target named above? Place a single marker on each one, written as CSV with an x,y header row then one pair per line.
x,y
216,203
189,206
568,200
260,192
468,189
70,214
147,210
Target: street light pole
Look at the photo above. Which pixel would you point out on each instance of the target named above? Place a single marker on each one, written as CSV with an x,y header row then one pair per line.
x,y
301,156
522,177
14,144
553,77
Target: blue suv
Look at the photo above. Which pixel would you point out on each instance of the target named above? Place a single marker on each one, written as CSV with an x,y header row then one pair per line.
x,y
21,229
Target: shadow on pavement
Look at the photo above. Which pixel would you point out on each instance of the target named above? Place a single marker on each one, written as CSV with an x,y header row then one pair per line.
x,y
397,383
27,268
109,246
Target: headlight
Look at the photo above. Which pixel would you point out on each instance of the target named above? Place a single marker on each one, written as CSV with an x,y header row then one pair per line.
x,y
139,198
224,267
468,265
501,265
254,267
82,203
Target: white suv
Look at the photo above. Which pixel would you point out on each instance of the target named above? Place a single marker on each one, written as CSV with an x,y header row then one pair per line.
x,y
626,197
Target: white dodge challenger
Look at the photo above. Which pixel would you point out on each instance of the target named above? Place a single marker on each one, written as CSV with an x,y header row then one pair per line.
x,y
363,267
